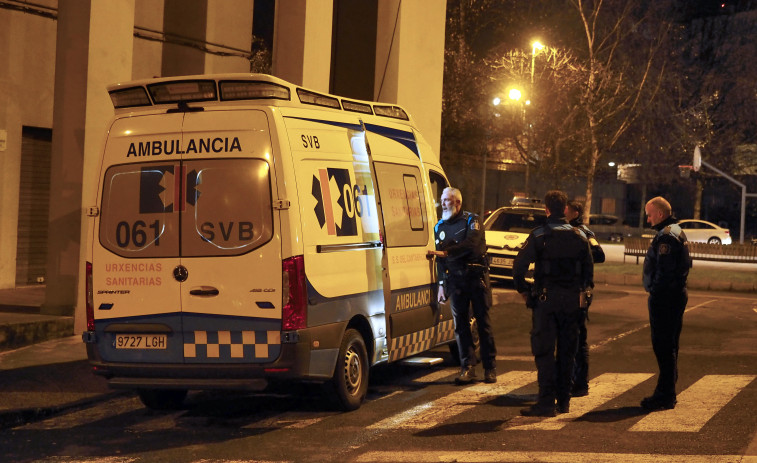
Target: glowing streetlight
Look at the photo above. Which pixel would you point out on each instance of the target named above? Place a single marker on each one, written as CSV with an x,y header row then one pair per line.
x,y
514,94
536,46
496,101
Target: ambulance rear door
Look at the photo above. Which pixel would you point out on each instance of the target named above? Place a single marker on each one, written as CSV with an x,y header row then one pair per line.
x,y
137,307
230,269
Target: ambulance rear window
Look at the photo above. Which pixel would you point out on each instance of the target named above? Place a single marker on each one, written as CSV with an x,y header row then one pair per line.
x,y
189,209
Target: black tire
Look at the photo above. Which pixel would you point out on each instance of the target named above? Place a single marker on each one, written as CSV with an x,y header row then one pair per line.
x,y
163,399
714,240
350,381
454,351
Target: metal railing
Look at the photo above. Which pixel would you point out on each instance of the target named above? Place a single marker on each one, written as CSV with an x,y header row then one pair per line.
x,y
637,247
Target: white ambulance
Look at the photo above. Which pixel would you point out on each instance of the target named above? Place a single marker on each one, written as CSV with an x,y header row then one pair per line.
x,y
246,228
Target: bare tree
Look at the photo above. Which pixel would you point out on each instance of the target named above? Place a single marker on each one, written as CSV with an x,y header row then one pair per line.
x,y
617,89
466,115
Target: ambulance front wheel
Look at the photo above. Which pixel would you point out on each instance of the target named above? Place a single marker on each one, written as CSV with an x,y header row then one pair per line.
x,y
163,399
350,381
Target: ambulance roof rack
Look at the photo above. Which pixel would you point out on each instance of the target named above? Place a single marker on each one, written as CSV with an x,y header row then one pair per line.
x,y
181,91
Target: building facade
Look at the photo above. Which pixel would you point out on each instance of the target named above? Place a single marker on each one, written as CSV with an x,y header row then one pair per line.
x,y
58,56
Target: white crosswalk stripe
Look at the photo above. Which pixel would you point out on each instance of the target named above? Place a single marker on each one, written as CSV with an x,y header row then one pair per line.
x,y
430,414
435,376
696,405
103,411
603,389
552,457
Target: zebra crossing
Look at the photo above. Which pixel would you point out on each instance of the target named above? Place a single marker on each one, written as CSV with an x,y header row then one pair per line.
x,y
697,404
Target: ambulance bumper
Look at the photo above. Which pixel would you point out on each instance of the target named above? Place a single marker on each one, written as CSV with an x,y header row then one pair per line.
x,y
298,360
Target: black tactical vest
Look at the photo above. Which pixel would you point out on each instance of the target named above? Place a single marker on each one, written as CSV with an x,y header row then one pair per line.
x,y
559,255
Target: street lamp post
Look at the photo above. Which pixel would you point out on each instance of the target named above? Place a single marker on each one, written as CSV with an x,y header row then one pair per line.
x,y
495,102
515,95
535,46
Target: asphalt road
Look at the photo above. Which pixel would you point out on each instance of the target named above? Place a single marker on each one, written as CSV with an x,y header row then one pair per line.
x,y
418,414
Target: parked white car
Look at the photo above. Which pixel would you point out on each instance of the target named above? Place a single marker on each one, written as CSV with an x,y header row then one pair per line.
x,y
701,231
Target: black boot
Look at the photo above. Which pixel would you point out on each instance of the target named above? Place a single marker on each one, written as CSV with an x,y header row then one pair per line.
x,y
539,409
467,375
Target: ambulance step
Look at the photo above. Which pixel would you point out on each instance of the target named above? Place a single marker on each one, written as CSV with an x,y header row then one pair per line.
x,y
422,361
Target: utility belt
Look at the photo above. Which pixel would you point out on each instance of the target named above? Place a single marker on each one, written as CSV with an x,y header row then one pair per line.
x,y
536,295
471,270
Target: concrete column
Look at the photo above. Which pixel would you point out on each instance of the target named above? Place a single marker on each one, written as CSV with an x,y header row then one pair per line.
x,y
10,145
410,61
97,50
148,54
229,23
184,19
302,42
27,51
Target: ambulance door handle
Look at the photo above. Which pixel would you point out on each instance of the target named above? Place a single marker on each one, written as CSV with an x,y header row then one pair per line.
x,y
205,291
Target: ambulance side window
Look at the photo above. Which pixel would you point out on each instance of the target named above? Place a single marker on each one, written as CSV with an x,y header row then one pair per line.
x,y
438,184
403,204
139,211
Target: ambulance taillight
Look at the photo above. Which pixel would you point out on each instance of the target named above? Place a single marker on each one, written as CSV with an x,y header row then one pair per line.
x,y
90,301
294,313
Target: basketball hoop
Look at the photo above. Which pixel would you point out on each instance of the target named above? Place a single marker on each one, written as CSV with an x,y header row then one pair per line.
x,y
685,171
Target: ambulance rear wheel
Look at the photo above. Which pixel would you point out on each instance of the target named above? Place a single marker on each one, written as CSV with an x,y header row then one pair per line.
x,y
350,381
163,399
454,351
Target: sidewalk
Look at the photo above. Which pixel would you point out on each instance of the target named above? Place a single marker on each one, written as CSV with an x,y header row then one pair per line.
x,y
42,362
43,379
21,323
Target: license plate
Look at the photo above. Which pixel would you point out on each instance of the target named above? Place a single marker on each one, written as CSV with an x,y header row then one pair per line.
x,y
502,261
141,341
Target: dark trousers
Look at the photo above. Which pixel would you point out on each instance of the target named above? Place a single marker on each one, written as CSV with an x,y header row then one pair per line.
x,y
666,320
476,292
581,375
555,324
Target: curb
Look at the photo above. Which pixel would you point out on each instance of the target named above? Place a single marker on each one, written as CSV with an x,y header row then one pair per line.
x,y
21,334
13,418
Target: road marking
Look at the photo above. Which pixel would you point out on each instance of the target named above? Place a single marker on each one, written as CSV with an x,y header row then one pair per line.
x,y
435,376
516,358
603,389
622,335
551,457
299,423
391,394
430,414
103,411
696,405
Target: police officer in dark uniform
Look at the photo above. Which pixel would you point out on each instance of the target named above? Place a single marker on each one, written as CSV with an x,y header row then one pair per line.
x,y
464,279
563,270
574,212
666,267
